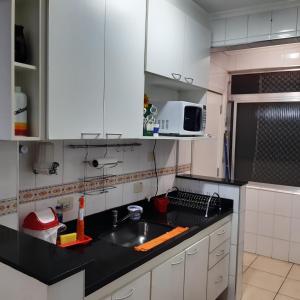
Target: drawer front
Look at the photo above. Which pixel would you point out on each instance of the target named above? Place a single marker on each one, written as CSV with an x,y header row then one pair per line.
x,y
219,236
137,290
218,279
219,253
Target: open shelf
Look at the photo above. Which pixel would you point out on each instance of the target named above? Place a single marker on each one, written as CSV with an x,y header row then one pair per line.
x,y
24,67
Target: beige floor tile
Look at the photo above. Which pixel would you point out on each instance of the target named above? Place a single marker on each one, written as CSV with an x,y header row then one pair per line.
x,y
249,258
263,280
295,272
273,266
251,292
282,297
291,288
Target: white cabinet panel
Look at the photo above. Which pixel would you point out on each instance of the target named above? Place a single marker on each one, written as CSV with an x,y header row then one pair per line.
x,y
168,279
218,279
196,264
196,53
218,31
137,290
236,30
259,27
165,40
284,23
75,68
206,157
124,67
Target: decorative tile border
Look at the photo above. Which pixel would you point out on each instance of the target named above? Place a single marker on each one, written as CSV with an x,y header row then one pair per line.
x,y
79,186
8,206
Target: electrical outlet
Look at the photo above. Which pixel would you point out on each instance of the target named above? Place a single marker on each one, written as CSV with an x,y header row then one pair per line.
x,y
150,156
66,202
138,187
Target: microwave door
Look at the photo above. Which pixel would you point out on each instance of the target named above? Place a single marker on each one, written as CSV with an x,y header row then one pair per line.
x,y
192,119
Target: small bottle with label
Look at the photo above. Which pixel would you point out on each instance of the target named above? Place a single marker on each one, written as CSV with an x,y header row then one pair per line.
x,y
21,123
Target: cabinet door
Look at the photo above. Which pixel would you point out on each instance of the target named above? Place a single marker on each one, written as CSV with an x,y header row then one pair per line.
x,y
75,68
259,27
284,23
168,279
124,68
236,30
196,53
137,290
218,32
196,266
165,40
206,153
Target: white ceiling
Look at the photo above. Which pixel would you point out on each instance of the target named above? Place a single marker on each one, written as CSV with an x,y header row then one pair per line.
x,y
218,6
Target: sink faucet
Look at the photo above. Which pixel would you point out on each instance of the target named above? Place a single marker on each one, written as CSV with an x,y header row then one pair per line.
x,y
208,203
134,213
116,221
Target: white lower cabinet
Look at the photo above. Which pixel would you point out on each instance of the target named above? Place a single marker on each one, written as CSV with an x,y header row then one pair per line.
x,y
168,279
196,264
200,272
137,290
218,279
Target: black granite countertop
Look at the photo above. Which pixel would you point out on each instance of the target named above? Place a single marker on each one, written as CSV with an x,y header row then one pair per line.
x,y
213,179
102,261
38,259
112,261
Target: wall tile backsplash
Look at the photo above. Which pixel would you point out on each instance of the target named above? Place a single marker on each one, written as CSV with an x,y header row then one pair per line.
x,y
40,191
273,222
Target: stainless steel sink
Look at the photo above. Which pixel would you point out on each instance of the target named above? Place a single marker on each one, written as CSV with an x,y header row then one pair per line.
x,y
133,234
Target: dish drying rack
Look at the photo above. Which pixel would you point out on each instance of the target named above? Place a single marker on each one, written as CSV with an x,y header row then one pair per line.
x,y
195,201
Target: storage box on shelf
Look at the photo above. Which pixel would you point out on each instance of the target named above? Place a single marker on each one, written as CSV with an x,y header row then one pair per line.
x,y
26,73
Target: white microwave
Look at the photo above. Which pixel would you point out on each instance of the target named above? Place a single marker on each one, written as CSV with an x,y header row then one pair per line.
x,y
181,118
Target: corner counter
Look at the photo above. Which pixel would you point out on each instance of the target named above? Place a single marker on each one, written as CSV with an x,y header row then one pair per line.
x,y
34,269
230,189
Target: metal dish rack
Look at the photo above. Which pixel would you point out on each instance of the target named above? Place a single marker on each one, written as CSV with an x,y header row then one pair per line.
x,y
196,201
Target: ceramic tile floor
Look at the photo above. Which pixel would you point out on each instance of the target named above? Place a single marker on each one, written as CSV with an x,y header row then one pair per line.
x,y
265,278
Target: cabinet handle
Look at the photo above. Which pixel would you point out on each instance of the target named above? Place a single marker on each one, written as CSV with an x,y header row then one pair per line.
x,y
97,134
220,253
222,232
176,76
178,262
220,278
127,296
193,253
189,80
114,134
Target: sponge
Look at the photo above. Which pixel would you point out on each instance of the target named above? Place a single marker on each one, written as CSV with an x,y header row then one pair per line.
x,y
68,238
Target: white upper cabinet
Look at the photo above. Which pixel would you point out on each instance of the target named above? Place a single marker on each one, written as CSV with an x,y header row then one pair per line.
x,y
197,53
236,30
284,23
168,279
124,68
177,44
259,27
196,265
165,40
218,32
75,68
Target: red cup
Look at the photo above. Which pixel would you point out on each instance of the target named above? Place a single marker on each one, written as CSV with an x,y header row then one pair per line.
x,y
161,204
